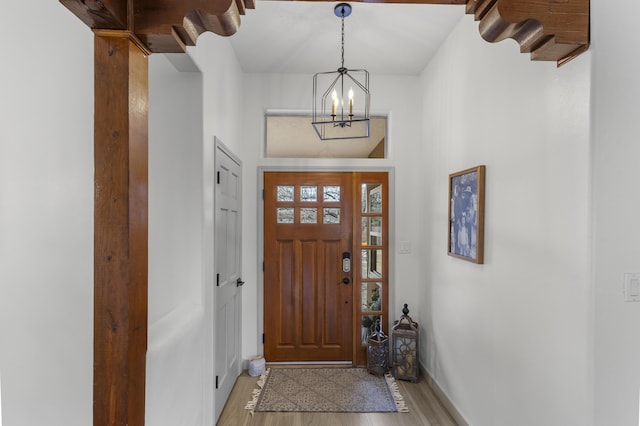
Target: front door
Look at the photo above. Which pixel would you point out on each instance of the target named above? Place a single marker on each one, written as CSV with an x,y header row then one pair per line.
x,y
307,278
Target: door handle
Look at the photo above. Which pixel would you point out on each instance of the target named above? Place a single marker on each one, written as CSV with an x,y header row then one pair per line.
x,y
239,282
345,281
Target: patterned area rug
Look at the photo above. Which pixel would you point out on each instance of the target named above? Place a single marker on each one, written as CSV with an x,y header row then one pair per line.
x,y
329,390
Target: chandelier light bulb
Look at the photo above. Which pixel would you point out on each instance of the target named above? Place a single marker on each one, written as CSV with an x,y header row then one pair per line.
x,y
351,102
334,103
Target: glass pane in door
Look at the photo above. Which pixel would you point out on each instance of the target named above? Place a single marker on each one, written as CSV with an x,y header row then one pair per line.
x,y
372,231
371,198
372,263
371,297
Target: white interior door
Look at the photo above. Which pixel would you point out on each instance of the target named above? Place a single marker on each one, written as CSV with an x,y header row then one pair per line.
x,y
227,292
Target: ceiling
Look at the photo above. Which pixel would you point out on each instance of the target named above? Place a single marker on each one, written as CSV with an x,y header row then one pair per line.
x,y
304,36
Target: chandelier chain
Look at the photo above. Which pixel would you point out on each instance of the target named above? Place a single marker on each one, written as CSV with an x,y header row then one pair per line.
x,y
342,50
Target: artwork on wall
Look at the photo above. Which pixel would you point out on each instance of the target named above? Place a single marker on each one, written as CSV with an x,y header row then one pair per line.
x,y
466,214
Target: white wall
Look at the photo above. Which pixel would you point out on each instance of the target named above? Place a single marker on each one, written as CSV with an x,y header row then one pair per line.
x,y
390,95
223,111
222,117
186,111
616,147
509,341
46,220
175,363
175,187
46,215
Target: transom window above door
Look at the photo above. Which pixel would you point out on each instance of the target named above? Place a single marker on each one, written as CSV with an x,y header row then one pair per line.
x,y
293,136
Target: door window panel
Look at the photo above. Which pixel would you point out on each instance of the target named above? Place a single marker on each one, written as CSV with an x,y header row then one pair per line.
x,y
308,193
285,215
372,263
372,231
371,198
285,193
331,215
369,326
371,296
331,194
308,215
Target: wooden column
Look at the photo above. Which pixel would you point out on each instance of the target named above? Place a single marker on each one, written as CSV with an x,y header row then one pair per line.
x,y
121,222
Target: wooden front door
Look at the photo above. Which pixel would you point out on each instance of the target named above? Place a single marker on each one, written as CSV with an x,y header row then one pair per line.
x,y
307,283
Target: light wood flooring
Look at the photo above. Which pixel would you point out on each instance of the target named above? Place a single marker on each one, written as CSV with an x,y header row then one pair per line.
x,y
424,410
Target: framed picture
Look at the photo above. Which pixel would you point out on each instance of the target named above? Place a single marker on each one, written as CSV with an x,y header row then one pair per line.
x,y
466,214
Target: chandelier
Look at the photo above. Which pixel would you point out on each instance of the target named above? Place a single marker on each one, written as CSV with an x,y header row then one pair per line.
x,y
341,98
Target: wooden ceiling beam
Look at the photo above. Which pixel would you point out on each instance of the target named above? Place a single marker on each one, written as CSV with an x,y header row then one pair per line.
x,y
100,14
162,26
549,30
168,26
405,1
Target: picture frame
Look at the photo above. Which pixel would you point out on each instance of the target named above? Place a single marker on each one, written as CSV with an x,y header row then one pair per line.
x,y
466,214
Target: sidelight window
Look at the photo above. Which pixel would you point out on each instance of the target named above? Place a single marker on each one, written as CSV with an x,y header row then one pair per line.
x,y
373,281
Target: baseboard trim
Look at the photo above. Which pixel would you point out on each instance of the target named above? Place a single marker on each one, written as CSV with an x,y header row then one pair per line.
x,y
444,399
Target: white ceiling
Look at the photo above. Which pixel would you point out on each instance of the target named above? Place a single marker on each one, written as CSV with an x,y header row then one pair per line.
x,y
304,36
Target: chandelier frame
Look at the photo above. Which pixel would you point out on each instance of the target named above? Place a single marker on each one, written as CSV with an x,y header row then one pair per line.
x,y
331,120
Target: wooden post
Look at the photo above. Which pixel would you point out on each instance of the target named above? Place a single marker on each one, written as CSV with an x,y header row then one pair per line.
x,y
121,223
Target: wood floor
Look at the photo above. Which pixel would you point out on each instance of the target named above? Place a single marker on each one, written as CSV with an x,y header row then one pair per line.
x,y
424,410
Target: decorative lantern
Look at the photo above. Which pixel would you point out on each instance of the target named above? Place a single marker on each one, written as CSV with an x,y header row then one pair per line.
x,y
378,352
404,340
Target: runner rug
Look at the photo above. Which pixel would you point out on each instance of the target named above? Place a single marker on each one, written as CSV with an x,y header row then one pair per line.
x,y
329,390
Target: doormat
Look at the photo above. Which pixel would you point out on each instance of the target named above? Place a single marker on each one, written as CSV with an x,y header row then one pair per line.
x,y
326,390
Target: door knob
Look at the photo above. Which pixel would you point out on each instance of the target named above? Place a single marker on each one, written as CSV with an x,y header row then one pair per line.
x,y
345,281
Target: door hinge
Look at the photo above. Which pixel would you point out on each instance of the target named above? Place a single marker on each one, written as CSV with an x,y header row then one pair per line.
x,y
217,280
263,266
218,178
263,195
216,382
263,338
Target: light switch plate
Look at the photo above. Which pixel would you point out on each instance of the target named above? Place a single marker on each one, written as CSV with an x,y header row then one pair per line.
x,y
405,247
631,287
